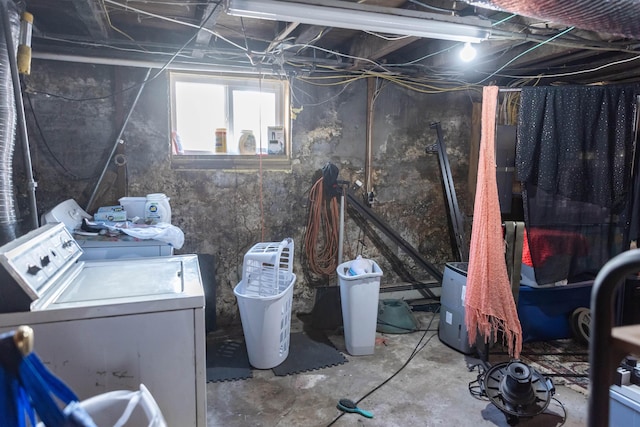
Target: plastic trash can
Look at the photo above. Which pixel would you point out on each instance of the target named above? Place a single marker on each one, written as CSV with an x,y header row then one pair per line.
x,y
359,299
266,323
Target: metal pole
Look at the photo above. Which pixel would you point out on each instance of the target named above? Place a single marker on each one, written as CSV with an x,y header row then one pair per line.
x,y
22,122
604,356
450,193
370,215
341,230
117,141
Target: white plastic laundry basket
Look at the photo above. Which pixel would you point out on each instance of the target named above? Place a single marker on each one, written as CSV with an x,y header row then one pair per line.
x,y
268,267
359,299
266,323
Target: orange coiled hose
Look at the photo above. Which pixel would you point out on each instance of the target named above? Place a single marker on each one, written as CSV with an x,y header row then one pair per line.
x,y
322,235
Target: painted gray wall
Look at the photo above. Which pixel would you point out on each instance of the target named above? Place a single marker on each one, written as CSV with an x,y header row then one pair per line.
x,y
219,211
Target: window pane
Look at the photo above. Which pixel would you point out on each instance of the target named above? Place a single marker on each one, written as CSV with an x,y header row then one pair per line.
x,y
200,109
254,111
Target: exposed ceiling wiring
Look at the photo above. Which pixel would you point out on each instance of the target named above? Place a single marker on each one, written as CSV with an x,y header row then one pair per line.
x,y
315,104
106,14
440,78
176,21
524,53
148,79
343,55
388,38
437,9
573,73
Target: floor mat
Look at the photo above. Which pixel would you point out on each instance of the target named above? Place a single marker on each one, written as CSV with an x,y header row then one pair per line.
x,y
565,361
308,351
227,361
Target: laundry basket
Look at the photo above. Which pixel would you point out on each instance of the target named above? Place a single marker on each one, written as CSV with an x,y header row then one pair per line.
x,y
266,323
264,296
267,268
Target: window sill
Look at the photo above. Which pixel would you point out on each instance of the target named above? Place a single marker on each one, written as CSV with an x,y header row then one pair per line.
x,y
234,163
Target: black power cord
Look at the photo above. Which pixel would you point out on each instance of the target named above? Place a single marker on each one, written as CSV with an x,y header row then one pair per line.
x,y
417,349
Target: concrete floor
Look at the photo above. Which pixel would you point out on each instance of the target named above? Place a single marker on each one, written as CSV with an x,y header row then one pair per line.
x,y
431,390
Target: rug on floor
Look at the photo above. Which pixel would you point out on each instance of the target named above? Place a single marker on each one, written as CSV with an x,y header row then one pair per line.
x,y
227,361
309,350
565,361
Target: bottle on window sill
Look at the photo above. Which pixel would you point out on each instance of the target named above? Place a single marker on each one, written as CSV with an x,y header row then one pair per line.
x,y
221,140
247,142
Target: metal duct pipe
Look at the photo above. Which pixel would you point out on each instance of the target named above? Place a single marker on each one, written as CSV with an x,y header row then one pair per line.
x,y
8,38
619,17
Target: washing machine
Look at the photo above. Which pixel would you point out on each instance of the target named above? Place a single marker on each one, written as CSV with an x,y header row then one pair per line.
x,y
111,324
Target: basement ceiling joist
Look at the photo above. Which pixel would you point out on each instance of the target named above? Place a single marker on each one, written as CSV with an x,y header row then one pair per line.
x,y
538,30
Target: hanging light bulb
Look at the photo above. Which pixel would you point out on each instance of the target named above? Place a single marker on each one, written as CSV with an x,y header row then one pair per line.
x,y
468,52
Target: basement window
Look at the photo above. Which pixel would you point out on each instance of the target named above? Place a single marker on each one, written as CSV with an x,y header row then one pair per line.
x,y
229,122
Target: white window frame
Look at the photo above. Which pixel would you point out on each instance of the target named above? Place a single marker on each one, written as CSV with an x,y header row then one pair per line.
x,y
212,160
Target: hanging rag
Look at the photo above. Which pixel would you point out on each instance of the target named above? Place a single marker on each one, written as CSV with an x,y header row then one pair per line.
x,y
489,303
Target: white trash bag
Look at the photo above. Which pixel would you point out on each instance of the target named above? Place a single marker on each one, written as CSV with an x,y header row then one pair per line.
x,y
124,408
121,408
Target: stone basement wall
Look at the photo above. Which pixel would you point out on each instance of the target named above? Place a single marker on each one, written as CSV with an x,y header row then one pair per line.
x,y
219,211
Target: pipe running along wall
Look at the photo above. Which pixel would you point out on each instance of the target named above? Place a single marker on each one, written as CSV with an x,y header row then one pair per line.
x,y
8,121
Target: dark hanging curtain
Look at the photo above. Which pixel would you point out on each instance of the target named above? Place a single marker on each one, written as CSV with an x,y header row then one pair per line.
x,y
574,157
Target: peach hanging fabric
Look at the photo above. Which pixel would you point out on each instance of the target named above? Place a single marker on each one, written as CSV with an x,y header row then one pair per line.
x,y
489,304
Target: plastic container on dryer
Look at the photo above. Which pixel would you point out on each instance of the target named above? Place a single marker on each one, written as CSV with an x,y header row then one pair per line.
x,y
134,206
157,208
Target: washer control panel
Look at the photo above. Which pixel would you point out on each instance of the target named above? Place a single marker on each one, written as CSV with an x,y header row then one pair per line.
x,y
37,258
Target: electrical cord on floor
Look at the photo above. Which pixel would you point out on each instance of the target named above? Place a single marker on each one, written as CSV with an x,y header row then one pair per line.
x,y
564,411
417,349
475,389
382,322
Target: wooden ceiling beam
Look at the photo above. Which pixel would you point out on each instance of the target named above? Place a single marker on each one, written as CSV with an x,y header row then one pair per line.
x,y
373,48
311,34
204,37
93,17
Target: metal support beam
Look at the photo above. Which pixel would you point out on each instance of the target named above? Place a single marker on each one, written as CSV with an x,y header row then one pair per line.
x,y
455,216
393,236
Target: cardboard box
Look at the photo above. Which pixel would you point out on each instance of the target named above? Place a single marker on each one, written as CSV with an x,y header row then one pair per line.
x,y
110,213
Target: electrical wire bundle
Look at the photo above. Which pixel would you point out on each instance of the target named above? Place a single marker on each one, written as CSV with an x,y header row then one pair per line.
x,y
321,239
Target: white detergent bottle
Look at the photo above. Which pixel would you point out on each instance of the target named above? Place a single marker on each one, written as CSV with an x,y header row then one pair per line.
x,y
157,208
